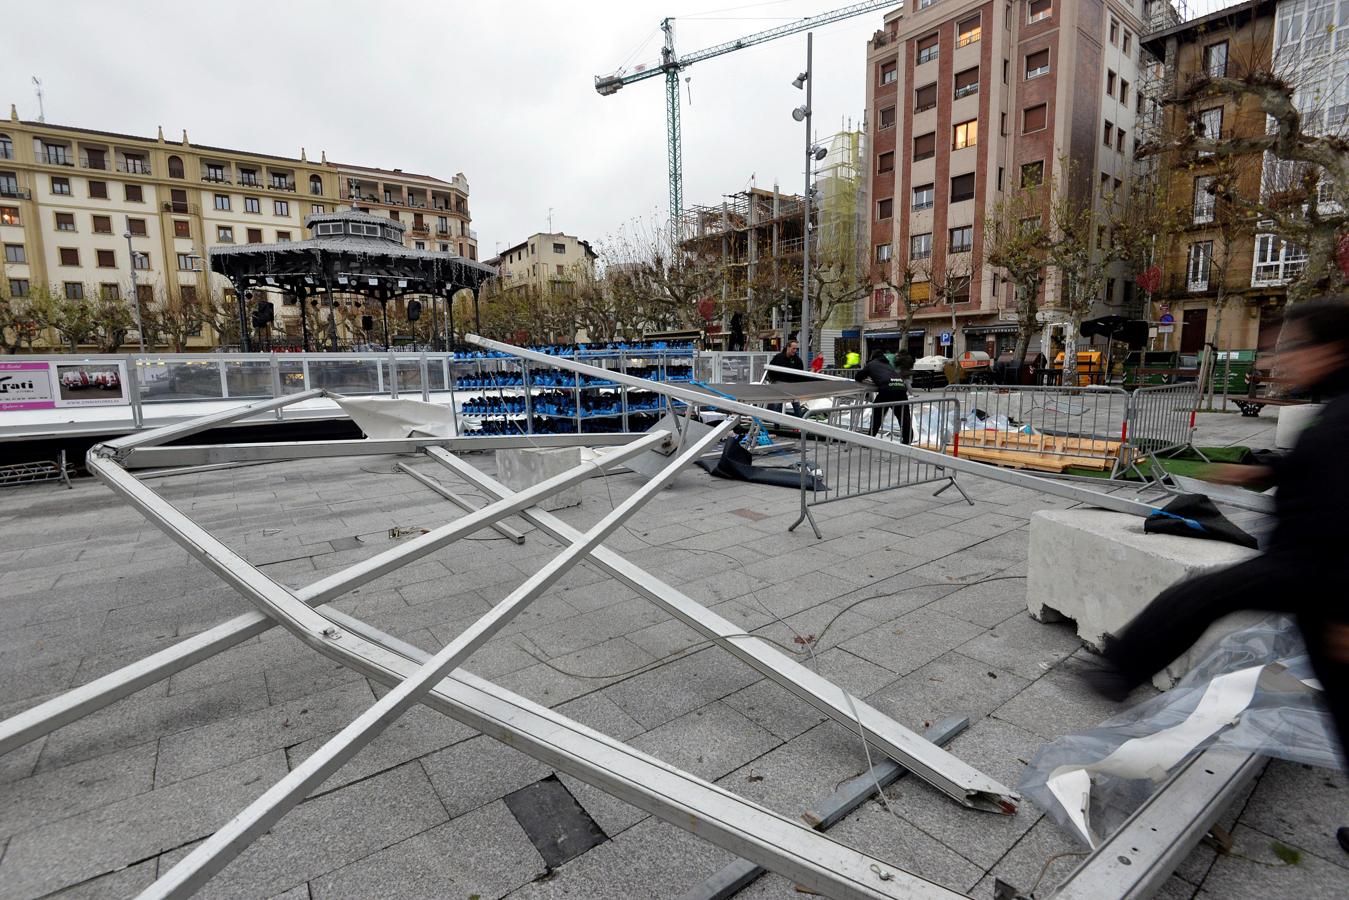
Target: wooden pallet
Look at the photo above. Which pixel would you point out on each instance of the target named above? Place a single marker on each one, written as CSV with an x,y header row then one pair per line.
x,y
1040,452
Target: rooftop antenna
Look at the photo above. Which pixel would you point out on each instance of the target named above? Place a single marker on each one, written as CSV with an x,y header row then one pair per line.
x,y
41,113
550,220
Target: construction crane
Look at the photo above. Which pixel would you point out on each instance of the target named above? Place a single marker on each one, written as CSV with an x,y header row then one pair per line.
x,y
672,63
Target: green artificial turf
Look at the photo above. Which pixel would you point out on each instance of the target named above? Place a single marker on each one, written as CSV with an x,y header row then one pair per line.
x,y
1186,462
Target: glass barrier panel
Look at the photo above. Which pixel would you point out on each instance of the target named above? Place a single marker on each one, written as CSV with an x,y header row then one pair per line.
x,y
345,376
166,381
248,379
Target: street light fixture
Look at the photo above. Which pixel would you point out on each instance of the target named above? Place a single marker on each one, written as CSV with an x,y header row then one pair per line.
x,y
802,114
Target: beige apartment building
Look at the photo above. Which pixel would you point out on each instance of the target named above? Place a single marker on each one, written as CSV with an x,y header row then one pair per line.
x,y
546,262
966,100
79,208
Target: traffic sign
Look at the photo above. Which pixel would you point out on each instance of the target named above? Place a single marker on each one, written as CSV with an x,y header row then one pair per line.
x,y
1167,319
946,338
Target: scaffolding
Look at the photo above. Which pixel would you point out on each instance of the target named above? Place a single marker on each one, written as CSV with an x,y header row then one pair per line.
x,y
842,187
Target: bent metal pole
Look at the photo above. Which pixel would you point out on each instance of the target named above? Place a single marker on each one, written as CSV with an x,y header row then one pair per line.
x,y
954,463
216,851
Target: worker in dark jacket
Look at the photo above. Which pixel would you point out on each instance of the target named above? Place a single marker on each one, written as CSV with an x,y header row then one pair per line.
x,y
890,388
788,358
1304,568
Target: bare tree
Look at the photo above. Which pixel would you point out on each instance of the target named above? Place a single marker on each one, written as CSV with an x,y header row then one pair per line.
x,y
113,321
835,281
220,312
948,283
18,327
172,319
1014,242
73,318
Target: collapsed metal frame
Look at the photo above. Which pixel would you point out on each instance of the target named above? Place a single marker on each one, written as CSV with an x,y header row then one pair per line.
x,y
749,830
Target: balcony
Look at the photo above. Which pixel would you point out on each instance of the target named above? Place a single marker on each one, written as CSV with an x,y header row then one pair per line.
x,y
178,206
442,232
217,179
15,193
57,156
134,166
419,230
281,185
94,162
249,180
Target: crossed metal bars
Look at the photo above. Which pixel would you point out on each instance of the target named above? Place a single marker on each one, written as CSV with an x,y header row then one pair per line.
x,y
749,830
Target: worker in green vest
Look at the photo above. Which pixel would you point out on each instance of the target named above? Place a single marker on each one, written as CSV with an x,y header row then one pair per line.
x,y
853,360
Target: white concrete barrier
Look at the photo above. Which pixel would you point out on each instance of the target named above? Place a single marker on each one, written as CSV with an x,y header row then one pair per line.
x,y
1292,421
1100,569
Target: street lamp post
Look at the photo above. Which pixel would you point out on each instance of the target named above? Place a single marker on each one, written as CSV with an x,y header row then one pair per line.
x,y
813,153
135,292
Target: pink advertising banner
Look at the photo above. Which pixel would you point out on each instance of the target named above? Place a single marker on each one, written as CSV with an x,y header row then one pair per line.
x,y
26,385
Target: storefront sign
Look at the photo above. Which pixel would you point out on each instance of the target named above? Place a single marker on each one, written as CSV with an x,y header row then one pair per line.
x,y
26,385
57,385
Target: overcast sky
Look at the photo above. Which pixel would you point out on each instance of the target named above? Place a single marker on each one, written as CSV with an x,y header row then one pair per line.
x,y
502,91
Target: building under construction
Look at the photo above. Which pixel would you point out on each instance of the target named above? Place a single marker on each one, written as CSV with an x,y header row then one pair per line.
x,y
756,238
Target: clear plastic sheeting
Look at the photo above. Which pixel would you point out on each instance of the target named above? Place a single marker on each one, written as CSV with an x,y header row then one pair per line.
x,y
379,417
935,425
1254,693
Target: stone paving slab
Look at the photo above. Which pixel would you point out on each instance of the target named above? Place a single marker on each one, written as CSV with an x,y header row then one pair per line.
x,y
912,602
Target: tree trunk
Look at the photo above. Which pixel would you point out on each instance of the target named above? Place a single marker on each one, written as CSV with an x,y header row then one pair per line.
x,y
1070,348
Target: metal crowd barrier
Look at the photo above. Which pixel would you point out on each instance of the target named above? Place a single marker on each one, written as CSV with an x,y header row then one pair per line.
x,y
33,472
1045,429
1162,417
834,469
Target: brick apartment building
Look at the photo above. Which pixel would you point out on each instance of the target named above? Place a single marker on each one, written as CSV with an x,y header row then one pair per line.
x,y
964,98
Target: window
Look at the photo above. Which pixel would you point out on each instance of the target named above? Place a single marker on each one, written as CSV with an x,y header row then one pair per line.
x,y
967,82
1037,64
1006,64
1033,174
134,193
885,209
1105,185
419,245
925,98
18,287
559,248
1114,32
281,181
224,234
315,185
885,162
920,292
962,187
215,172
1204,201
252,205
6,147
188,293
962,239
136,227
140,260
255,235
999,177
960,290
9,185
884,252
1038,10
175,167
14,253
56,155
249,177
1034,118
9,215
966,134
924,4
1210,126
924,146
65,221
1276,261
967,32
98,190
74,290
1197,270
70,256
222,202
888,117
920,246
1108,133
61,186
281,207
1002,124
927,49
923,196
185,262
882,299
1215,60
444,248
283,237
1110,83
889,73
106,259
1119,140
317,208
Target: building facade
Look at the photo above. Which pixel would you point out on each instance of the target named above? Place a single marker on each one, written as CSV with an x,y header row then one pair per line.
x,y
546,263
80,208
966,100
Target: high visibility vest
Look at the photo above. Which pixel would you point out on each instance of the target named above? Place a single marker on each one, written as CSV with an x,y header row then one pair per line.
x,y
852,360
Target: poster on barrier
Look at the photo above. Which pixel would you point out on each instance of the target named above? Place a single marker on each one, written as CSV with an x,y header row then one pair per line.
x,y
26,385
57,385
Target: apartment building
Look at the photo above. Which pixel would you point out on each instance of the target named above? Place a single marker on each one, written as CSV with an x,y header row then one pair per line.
x,y
547,263
967,99
79,208
1211,258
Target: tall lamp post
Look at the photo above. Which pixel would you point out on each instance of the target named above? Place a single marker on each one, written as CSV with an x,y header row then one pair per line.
x,y
813,153
135,291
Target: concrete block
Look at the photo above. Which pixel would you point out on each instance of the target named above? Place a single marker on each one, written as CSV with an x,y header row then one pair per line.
x,y
1100,569
520,469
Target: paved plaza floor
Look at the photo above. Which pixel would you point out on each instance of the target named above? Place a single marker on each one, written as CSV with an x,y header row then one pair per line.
x,y
100,807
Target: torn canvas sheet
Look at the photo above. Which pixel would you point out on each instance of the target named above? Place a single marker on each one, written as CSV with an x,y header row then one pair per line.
x,y
382,417
1253,693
